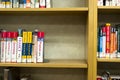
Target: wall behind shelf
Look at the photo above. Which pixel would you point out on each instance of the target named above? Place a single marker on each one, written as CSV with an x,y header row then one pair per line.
x,y
113,68
109,18
64,35
55,74
68,3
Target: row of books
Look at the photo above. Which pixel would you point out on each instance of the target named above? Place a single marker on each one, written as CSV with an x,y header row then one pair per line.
x,y
108,2
22,46
109,41
107,76
25,3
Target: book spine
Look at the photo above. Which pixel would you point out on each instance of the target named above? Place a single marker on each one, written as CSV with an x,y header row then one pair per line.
x,y
100,44
29,41
25,47
104,41
28,3
107,40
8,49
3,3
36,3
34,53
110,2
15,3
114,2
3,46
107,3
7,4
24,3
48,3
116,41
32,3
21,4
19,46
14,46
42,3
118,54
40,47
118,2
111,42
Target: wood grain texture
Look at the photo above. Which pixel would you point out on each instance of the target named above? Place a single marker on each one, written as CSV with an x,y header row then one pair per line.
x,y
50,64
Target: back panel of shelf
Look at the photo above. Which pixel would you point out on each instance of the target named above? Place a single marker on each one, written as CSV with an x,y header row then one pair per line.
x,y
69,3
64,35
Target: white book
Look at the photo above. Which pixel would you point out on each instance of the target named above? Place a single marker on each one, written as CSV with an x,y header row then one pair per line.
x,y
42,3
8,51
19,49
40,51
107,3
36,4
114,2
48,3
32,3
3,50
14,51
34,53
100,2
118,2
104,46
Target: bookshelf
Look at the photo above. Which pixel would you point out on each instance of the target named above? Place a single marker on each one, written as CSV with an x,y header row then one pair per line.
x,y
103,15
69,36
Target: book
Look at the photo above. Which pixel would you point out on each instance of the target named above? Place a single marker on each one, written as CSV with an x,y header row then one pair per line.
x,y
34,51
42,4
29,43
107,40
3,45
24,46
19,46
40,51
9,47
14,46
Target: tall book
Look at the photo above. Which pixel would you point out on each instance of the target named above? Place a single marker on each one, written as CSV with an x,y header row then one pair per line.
x,y
24,46
108,40
14,46
111,42
104,41
40,51
29,43
100,44
3,45
42,3
9,47
34,51
118,41
19,46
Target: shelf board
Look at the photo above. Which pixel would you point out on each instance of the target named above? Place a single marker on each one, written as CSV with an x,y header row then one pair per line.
x,y
109,9
108,60
44,9
50,64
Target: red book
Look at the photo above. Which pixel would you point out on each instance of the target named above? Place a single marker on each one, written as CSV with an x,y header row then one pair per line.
x,y
107,39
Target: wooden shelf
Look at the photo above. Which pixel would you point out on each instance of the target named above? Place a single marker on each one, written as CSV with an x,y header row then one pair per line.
x,y
109,9
50,64
44,9
108,60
